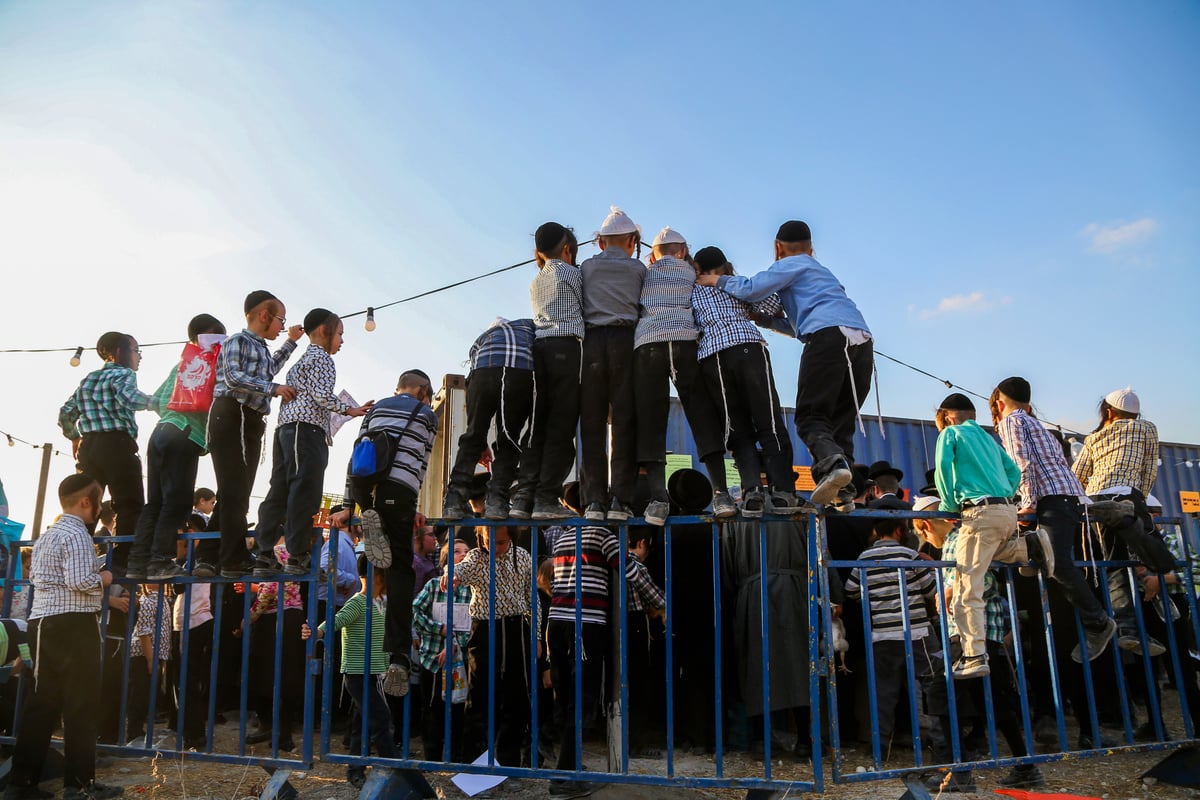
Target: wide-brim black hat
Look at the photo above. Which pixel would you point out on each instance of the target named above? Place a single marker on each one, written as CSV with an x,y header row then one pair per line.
x,y
883,468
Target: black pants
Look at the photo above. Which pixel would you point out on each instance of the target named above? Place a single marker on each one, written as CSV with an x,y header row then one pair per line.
x,y
66,650
970,703
1062,515
654,365
291,672
298,460
172,460
742,384
235,435
549,453
560,636
379,716
891,678
505,395
193,695
433,730
139,698
607,394
112,459
511,696
397,509
832,385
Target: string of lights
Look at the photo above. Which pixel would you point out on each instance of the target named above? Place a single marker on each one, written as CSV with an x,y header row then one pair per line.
x,y
13,440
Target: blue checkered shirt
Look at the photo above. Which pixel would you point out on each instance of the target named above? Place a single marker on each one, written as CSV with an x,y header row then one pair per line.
x,y
105,401
557,297
724,321
246,367
313,377
666,303
505,344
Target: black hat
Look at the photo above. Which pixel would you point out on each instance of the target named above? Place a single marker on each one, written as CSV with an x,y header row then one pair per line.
x,y
794,232
861,480
890,503
710,258
930,487
957,402
316,318
883,468
689,490
1016,388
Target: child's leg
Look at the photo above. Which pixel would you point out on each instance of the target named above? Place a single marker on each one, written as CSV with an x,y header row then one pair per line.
x,y
704,417
235,441
558,360
516,405
985,531
624,414
273,508
112,458
651,370
176,482
722,376
483,401
891,673
1061,516
593,418
139,552
307,464
379,720
757,385
825,391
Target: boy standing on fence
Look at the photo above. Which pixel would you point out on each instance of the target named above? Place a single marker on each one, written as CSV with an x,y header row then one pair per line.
x,y
1050,488
246,369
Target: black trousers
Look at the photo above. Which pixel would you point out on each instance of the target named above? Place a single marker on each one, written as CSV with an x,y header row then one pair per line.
x,y
832,385
298,460
397,509
970,704
549,453
235,435
112,459
891,678
654,365
511,697
193,696
742,384
560,636
291,673
172,460
607,394
1062,515
66,650
505,395
434,719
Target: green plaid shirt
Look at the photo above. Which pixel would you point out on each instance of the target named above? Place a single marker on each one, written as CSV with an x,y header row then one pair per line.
x,y
1174,539
105,401
429,631
994,621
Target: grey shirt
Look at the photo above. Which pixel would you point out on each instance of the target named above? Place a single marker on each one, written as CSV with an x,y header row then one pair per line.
x,y
612,288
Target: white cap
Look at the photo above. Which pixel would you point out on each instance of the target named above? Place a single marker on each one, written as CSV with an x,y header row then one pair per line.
x,y
669,236
926,503
1124,400
618,223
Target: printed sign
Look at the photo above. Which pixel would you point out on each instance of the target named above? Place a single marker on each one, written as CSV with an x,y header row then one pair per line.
x,y
1190,502
804,479
676,462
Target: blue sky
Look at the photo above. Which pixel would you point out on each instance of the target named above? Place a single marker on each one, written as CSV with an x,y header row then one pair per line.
x,y
1003,189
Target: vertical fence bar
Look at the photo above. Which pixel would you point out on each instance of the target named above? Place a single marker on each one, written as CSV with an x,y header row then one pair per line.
x,y
1055,678
717,681
764,600
623,644
577,635
670,591
1018,649
939,579
447,689
493,625
819,613
869,638
914,708
534,638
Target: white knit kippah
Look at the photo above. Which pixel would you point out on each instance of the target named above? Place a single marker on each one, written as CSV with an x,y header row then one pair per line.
x,y
669,236
618,223
1124,400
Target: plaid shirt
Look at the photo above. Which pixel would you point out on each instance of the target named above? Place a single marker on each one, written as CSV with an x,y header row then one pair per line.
x,y
148,612
1174,539
557,297
1123,453
245,368
995,623
63,571
666,303
1044,470
105,401
724,321
428,631
313,377
649,597
508,343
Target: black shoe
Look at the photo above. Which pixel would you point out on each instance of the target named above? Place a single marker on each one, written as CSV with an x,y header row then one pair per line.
x,y
164,571
495,508
522,506
1040,548
595,512
259,736
356,777
656,512
1096,641
1085,742
26,793
299,565
454,507
618,512
94,791
264,568
545,511
752,503
1045,731
242,572
135,574
835,475
803,749
951,782
1146,733
1023,776
565,790
197,743
203,569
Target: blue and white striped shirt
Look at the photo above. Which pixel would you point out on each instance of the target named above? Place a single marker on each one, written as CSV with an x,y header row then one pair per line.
x,y
394,414
245,368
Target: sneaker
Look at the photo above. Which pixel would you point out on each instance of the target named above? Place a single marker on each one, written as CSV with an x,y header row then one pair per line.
x,y
26,793
837,477
845,499
565,790
135,574
1133,643
1084,742
239,572
1041,552
395,680
723,506
548,511
356,777
752,504
1110,513
93,791
971,667
1045,731
595,512
777,502
1023,776
265,568
258,736
375,542
453,506
298,565
656,512
523,506
164,571
203,569
951,782
495,508
618,511
1096,641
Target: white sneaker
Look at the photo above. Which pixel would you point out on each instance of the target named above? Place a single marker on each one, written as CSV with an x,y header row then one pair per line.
x,y
375,542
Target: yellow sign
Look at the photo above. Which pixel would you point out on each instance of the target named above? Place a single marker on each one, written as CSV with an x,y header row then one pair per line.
x,y
1190,502
676,462
804,479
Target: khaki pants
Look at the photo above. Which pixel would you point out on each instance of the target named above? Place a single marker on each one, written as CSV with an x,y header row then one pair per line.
x,y
988,533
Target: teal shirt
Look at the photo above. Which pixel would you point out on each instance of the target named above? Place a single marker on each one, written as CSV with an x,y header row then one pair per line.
x,y
195,423
970,465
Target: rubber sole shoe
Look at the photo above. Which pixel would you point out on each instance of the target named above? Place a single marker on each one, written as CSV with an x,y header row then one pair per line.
x,y
782,503
375,543
951,782
1110,513
453,507
266,568
298,565
135,574
202,569
594,512
495,509
395,680
834,481
1023,776
619,512
656,513
566,790
522,507
1133,644
752,504
164,571
971,667
550,511
1096,642
723,506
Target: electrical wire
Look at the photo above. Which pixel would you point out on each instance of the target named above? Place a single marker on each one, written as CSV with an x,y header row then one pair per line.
x,y
12,438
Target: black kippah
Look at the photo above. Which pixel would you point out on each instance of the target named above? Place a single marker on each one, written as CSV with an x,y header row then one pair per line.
x,y
957,402
257,298
794,232
1016,388
548,237
316,318
710,258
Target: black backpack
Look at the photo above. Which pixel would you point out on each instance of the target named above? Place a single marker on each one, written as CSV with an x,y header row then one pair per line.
x,y
374,453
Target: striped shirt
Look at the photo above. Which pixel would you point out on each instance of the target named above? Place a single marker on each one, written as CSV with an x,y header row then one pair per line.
x,y
599,552
514,582
1044,470
149,613
63,571
666,303
508,343
995,623
883,591
1122,453
246,367
105,401
393,414
724,321
351,620
557,297
428,630
314,377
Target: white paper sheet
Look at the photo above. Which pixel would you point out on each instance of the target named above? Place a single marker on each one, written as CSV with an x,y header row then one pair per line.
x,y
472,785
336,420
462,615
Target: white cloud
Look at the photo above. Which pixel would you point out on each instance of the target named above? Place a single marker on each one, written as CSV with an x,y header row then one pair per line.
x,y
975,302
1113,236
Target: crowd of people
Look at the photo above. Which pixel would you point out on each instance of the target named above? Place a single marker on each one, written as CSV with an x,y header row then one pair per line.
x,y
587,376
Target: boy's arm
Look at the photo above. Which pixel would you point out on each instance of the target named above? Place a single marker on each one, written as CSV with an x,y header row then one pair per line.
x,y
852,588
162,395
1011,471
944,461
1017,450
280,356
354,610
1083,465
68,417
759,286
1150,468
129,393
643,585
79,567
237,373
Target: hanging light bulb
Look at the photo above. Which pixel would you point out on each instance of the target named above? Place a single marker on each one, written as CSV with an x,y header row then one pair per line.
x,y
370,323
11,443
75,358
